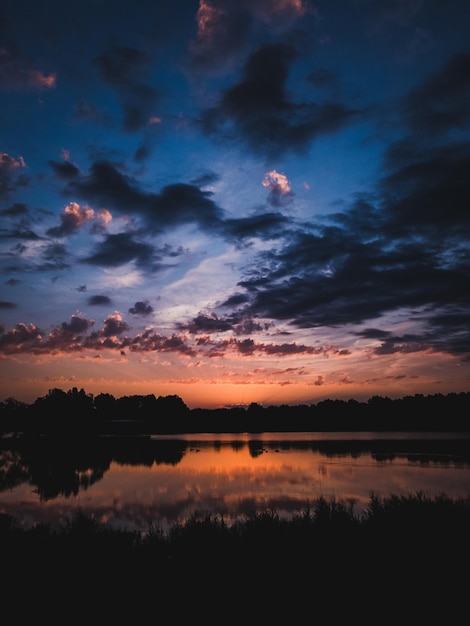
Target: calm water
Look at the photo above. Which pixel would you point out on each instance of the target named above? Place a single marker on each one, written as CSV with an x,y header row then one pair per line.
x,y
131,483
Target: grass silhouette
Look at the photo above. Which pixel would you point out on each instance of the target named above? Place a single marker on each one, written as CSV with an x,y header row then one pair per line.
x,y
407,556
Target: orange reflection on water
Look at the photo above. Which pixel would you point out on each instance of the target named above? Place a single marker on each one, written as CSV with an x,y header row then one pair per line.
x,y
238,475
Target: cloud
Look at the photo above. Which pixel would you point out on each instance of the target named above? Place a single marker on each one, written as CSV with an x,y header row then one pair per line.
x,y
55,256
65,169
20,219
425,187
72,218
280,192
402,248
116,250
99,300
206,324
141,308
401,345
262,225
226,29
176,204
114,325
321,78
428,196
442,102
18,73
20,338
126,69
258,110
11,177
74,337
8,162
88,112
15,210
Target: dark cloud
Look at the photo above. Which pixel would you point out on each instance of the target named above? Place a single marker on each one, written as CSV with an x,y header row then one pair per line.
x,y
116,250
442,102
73,337
373,333
188,204
107,186
248,326
88,112
228,29
20,232
56,257
330,278
76,326
114,325
430,195
18,209
20,338
99,300
206,324
262,225
18,73
426,189
402,345
72,218
221,37
321,78
11,174
176,204
141,308
149,341
259,111
126,69
250,347
31,339
206,179
142,153
64,169
235,300
277,197
7,305
67,337
404,248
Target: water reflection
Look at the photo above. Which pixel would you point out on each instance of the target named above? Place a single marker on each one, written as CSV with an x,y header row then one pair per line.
x,y
131,483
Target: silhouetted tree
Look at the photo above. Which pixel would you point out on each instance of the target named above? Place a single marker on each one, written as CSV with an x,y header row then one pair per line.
x,y
60,412
13,414
173,415
76,412
105,405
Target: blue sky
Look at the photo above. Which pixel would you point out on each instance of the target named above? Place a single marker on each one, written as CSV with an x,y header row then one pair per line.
x,y
235,201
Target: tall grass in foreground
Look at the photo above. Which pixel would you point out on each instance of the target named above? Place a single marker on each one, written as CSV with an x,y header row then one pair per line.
x,y
404,560
393,515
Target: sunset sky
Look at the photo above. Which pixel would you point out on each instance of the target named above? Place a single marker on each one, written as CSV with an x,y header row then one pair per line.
x,y
235,201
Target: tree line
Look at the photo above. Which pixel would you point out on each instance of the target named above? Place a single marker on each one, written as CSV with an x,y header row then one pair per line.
x,y
75,412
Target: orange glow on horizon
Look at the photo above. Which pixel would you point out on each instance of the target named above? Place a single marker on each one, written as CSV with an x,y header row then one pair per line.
x,y
212,395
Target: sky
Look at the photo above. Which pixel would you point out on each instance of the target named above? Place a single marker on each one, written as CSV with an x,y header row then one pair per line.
x,y
235,201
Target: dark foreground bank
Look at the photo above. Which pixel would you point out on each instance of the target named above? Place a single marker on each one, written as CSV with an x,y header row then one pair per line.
x,y
405,558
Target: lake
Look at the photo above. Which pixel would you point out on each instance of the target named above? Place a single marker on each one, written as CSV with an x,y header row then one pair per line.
x,y
132,483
